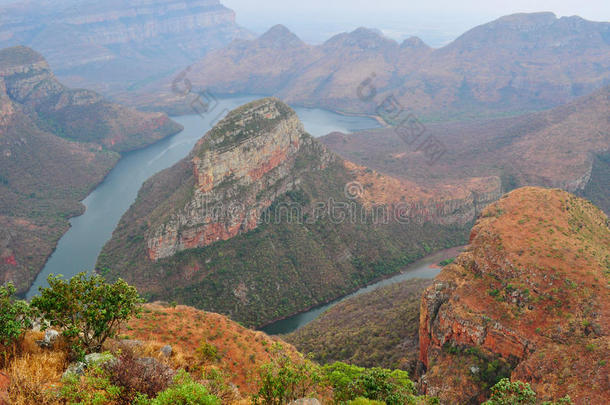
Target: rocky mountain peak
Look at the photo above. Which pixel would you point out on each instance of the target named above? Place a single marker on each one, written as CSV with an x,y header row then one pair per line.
x,y
254,119
362,38
414,43
280,37
18,58
525,20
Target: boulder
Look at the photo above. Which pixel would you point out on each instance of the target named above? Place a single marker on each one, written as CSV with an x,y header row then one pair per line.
x,y
76,368
306,401
98,358
166,350
50,337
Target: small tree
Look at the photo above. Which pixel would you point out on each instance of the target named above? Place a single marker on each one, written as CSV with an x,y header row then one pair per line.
x,y
506,392
284,380
87,309
15,318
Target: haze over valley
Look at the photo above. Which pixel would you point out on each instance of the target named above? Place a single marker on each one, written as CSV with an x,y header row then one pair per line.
x,y
227,202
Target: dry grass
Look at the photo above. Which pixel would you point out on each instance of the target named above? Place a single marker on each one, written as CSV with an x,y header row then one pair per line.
x,y
35,373
241,351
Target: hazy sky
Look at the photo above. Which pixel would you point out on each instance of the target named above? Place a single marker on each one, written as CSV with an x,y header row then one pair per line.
x,y
436,21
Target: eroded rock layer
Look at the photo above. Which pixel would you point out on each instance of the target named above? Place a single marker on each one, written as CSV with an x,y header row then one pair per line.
x,y
528,299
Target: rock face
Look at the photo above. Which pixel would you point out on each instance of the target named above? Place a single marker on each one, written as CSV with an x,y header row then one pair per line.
x,y
56,144
515,63
261,221
240,169
528,297
111,45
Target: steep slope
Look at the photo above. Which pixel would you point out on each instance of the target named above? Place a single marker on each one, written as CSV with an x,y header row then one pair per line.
x,y
56,144
563,147
240,351
114,46
376,329
517,63
260,221
528,299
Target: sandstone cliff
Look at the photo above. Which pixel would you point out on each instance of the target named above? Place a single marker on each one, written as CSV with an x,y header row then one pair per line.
x,y
260,221
56,144
241,167
528,299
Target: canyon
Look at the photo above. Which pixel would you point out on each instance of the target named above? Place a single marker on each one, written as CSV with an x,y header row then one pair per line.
x,y
565,147
265,216
56,144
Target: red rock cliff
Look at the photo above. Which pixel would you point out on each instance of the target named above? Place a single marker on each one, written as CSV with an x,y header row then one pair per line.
x,y
531,292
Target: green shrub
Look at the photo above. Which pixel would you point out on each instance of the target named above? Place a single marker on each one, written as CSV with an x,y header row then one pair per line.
x,y
350,382
94,388
87,309
15,318
284,380
14,315
184,392
506,392
208,352
364,401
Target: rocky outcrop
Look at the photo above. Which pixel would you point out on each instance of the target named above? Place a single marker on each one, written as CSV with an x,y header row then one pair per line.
x,y
112,45
240,169
525,293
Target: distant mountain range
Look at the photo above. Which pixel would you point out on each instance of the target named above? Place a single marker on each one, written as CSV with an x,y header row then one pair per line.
x,y
517,63
113,45
56,144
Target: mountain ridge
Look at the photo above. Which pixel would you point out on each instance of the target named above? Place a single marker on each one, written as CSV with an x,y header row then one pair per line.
x,y
517,63
115,46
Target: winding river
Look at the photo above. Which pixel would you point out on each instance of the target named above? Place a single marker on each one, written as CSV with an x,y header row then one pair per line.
x,y
78,249
427,267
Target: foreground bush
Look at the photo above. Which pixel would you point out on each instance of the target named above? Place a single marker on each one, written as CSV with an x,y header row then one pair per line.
x,y
136,377
284,380
87,309
184,391
507,392
14,320
351,382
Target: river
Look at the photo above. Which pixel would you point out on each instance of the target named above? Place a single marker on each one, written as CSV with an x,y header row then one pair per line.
x,y
426,267
79,248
